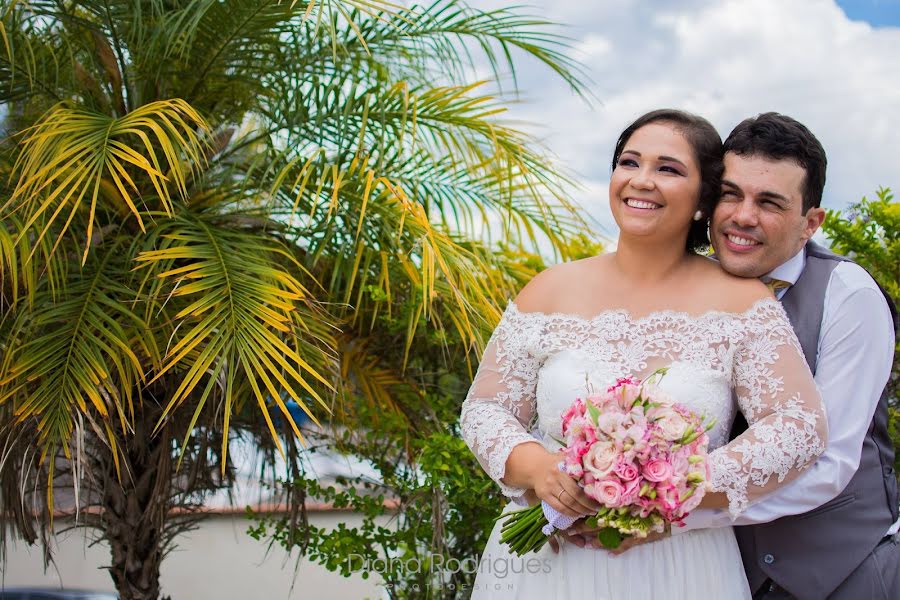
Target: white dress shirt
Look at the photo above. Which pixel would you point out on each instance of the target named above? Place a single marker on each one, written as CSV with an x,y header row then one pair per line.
x,y
854,360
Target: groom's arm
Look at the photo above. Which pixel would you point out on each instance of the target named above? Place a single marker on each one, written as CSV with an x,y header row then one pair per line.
x,y
855,356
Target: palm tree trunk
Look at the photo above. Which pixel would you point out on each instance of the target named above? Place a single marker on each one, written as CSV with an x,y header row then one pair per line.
x,y
136,559
135,510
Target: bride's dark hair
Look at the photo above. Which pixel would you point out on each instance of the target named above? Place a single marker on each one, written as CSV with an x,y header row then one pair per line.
x,y
707,146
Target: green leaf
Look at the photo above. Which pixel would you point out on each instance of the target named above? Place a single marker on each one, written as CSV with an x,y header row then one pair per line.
x,y
593,411
610,537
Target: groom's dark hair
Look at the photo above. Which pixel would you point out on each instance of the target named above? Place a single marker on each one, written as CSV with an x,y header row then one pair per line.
x,y
779,137
707,145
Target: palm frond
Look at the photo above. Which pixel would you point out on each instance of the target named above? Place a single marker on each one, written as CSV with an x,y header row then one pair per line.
x,y
422,42
395,246
444,146
238,321
444,25
322,240
455,121
70,153
32,56
364,376
18,273
79,354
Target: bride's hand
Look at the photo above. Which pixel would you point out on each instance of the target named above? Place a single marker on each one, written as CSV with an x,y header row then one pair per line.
x,y
559,490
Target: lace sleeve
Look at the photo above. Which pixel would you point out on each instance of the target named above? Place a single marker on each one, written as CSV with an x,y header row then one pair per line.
x,y
501,402
777,394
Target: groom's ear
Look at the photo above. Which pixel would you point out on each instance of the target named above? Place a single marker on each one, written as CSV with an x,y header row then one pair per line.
x,y
814,219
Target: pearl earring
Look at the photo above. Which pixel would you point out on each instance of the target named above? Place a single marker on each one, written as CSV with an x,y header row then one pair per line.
x,y
698,215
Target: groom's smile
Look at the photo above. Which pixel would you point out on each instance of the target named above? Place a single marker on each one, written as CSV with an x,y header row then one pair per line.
x,y
739,242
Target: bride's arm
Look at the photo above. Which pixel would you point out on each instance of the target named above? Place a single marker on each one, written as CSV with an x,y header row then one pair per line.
x,y
783,407
497,414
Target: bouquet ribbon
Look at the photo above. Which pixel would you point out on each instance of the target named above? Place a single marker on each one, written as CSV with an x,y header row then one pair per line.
x,y
555,520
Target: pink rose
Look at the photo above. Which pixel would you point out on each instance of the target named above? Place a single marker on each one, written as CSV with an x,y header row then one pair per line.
x,y
630,491
600,459
609,492
670,426
626,471
657,469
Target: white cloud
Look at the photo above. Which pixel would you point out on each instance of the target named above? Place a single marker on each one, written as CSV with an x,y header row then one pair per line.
x,y
593,47
726,60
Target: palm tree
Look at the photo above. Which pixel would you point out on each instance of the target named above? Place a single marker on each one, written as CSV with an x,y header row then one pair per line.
x,y
208,206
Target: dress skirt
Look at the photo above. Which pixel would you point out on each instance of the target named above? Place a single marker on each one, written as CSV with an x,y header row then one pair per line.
x,y
703,564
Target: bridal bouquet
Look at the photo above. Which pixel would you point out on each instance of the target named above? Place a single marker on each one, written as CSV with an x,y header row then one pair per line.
x,y
635,451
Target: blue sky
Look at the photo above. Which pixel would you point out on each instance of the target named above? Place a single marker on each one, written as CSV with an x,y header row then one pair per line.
x,y
725,60
880,13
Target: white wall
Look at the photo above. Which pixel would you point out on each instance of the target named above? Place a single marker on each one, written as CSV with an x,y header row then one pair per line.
x,y
218,561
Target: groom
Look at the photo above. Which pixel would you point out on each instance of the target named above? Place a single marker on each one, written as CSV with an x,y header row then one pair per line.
x,y
844,543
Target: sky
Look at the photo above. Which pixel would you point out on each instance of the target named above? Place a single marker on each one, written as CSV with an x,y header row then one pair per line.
x,y
831,65
876,12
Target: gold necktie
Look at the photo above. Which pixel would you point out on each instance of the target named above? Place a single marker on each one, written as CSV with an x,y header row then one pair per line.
x,y
777,285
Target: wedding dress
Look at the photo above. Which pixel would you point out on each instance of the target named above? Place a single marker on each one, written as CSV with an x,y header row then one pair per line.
x,y
536,364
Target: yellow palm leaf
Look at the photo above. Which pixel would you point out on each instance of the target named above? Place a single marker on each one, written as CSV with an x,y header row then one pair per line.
x,y
238,319
70,151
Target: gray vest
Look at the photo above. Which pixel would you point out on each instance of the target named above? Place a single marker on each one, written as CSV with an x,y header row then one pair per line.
x,y
809,555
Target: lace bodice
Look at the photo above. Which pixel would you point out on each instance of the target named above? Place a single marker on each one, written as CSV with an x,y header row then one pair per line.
x,y
536,364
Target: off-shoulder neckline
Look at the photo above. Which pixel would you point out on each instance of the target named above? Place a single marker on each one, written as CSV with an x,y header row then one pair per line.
x,y
624,313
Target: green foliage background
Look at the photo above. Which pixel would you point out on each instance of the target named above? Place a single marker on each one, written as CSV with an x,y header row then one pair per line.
x,y
869,232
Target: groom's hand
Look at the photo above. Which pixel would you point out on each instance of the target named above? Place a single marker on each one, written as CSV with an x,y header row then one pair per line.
x,y
579,534
631,542
558,538
584,536
569,536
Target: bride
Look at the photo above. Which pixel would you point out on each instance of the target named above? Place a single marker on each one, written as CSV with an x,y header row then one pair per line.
x,y
653,302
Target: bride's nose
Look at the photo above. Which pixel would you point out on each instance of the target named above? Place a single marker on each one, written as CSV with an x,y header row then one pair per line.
x,y
642,180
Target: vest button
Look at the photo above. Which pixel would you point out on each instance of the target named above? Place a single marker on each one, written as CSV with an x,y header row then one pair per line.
x,y
768,559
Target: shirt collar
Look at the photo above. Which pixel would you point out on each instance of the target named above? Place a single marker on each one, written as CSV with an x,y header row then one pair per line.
x,y
789,271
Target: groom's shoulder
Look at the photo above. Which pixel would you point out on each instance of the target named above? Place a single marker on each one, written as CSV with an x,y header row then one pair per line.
x,y
852,277
853,287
